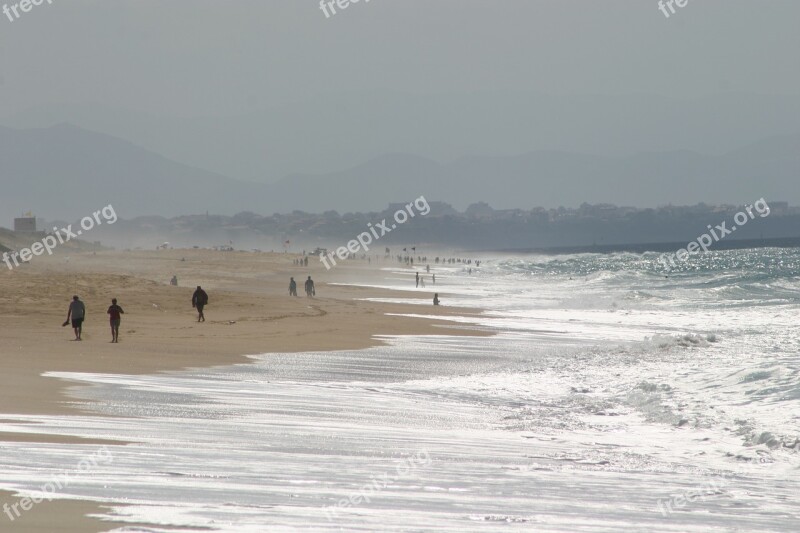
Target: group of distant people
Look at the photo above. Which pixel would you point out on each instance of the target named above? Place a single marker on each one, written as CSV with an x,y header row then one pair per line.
x,y
456,260
420,282
76,314
311,291
409,260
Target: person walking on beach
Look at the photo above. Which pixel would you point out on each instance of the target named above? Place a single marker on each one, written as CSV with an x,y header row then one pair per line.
x,y
76,313
436,299
199,301
417,279
310,291
292,287
114,313
434,279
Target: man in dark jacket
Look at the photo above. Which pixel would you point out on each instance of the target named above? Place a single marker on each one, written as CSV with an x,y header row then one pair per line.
x,y
199,301
310,291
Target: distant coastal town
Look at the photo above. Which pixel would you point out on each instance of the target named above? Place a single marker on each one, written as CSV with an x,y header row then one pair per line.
x,y
598,227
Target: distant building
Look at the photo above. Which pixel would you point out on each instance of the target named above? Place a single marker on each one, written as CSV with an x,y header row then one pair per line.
x,y
26,224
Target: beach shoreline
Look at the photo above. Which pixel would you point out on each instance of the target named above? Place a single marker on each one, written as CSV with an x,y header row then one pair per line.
x,y
249,313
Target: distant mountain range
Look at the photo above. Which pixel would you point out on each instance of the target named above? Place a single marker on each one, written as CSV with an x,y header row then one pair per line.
x,y
66,172
343,130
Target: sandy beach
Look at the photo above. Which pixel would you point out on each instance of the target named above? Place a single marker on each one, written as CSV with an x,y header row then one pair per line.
x,y
249,312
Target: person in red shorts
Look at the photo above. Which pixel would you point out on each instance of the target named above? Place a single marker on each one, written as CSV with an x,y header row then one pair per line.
x,y
115,313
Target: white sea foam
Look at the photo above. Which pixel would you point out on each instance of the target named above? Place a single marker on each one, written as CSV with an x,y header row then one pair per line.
x,y
601,396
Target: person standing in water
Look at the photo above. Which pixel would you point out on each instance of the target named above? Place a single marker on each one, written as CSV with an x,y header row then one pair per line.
x,y
199,301
114,313
436,299
417,279
76,313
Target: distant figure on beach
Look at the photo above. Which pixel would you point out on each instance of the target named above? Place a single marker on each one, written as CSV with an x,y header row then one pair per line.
x,y
174,281
428,269
434,279
199,301
422,282
114,313
305,261
292,287
436,299
76,313
310,291
417,279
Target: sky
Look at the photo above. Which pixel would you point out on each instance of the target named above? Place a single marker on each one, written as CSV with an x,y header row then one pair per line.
x,y
202,57
260,90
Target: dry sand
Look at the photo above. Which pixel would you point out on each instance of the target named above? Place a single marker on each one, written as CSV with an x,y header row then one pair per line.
x,y
249,312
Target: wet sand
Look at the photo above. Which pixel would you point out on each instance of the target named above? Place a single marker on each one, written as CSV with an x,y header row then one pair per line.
x,y
249,312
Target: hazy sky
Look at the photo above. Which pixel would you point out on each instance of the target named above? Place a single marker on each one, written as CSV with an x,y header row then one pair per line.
x,y
204,57
263,90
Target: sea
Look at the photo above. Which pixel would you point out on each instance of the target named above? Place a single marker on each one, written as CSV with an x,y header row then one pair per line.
x,y
608,395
